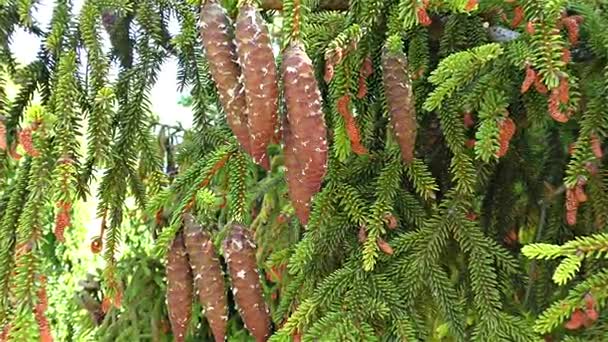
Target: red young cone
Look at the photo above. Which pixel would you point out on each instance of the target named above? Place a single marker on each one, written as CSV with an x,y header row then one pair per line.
x,y
507,130
208,276
367,67
362,89
596,146
384,246
518,16
423,17
351,126
576,321
62,220
530,28
5,332
572,26
239,250
471,4
529,80
566,55
179,288
540,86
39,312
26,140
468,120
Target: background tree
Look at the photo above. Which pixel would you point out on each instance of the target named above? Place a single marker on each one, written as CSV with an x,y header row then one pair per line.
x,y
421,156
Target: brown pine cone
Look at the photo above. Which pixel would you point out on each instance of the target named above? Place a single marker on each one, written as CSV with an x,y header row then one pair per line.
x,y
298,193
239,251
400,100
208,276
305,117
217,35
179,288
260,79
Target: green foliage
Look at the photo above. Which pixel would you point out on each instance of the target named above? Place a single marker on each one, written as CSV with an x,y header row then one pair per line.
x,y
463,244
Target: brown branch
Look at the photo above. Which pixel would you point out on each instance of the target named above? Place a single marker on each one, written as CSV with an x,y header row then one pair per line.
x,y
335,5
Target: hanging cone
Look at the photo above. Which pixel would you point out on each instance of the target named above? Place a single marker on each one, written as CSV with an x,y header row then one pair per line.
x,y
239,250
217,36
208,276
179,288
305,120
400,100
260,79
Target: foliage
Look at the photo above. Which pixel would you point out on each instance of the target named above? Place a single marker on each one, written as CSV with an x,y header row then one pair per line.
x,y
494,230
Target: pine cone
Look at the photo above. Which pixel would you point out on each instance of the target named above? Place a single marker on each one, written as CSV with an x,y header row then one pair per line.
x,y
260,79
305,118
400,100
298,193
239,250
179,288
217,35
208,277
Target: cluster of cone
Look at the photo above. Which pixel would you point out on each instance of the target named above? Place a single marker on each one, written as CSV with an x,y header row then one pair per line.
x,y
243,68
193,263
242,65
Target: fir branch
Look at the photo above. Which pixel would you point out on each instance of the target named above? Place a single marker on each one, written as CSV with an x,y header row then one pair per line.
x,y
457,70
239,170
18,196
422,179
561,310
387,183
28,234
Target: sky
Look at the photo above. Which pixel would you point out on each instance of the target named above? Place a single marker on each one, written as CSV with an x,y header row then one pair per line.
x,y
164,95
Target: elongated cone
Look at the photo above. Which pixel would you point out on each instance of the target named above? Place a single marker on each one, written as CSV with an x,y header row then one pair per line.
x,y
298,193
208,276
305,117
217,36
400,100
239,251
260,79
179,288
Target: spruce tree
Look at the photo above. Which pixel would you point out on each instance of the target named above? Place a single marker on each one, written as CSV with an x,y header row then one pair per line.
x,y
356,170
